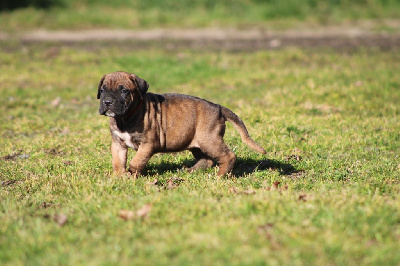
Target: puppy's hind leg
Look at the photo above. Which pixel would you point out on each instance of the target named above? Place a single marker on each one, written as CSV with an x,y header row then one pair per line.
x,y
226,161
202,160
219,151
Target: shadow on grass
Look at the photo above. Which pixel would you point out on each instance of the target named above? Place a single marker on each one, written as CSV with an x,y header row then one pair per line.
x,y
242,167
167,166
248,166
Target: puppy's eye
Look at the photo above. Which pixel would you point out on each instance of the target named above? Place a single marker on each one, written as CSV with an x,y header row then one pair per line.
x,y
101,90
125,91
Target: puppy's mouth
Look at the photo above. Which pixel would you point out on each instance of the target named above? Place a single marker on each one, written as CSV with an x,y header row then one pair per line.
x,y
106,112
109,113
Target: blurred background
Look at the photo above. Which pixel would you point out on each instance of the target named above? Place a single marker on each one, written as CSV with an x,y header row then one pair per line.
x,y
139,14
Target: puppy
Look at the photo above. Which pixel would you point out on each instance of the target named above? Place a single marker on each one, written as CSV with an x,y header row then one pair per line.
x,y
152,123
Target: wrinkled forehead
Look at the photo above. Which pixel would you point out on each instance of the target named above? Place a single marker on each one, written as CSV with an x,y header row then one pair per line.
x,y
114,80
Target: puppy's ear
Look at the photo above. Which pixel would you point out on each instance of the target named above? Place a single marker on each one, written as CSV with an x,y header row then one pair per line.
x,y
99,87
142,85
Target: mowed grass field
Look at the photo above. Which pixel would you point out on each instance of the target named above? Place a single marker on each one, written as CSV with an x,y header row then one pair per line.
x,y
326,192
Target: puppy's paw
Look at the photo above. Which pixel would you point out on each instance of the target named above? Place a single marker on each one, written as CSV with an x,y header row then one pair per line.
x,y
133,174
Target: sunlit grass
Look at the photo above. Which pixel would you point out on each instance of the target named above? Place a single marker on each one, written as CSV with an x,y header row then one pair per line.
x,y
325,193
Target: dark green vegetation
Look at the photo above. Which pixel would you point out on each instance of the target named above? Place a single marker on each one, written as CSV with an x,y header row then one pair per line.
x,y
15,4
76,14
326,192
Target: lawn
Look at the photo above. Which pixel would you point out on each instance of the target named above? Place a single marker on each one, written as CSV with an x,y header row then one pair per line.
x,y
326,192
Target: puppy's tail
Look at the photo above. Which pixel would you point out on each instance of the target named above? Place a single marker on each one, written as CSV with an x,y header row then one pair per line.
x,y
239,125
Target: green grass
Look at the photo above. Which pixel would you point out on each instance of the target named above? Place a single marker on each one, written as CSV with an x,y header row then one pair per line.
x,y
141,14
328,120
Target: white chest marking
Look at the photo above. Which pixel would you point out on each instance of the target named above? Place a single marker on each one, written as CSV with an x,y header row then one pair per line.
x,y
125,137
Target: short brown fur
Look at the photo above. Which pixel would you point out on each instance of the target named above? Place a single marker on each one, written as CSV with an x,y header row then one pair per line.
x,y
152,123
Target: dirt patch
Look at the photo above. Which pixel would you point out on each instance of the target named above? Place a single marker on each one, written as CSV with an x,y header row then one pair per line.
x,y
9,182
215,38
15,156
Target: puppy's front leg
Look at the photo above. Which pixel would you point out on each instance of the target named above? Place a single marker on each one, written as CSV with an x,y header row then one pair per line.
x,y
118,151
140,160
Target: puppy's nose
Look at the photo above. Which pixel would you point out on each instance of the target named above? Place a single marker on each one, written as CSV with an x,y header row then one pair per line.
x,y
108,102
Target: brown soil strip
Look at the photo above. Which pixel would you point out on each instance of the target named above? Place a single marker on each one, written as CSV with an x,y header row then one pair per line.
x,y
217,39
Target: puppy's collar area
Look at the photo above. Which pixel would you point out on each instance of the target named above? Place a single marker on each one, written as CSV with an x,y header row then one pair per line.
x,y
134,110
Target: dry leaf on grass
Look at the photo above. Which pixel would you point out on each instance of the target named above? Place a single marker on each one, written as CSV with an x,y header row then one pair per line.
x,y
154,182
64,131
294,157
153,185
232,190
141,213
171,185
173,182
75,100
358,83
53,151
144,211
303,197
297,174
126,215
56,102
46,205
266,227
248,192
267,230
60,218
276,184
